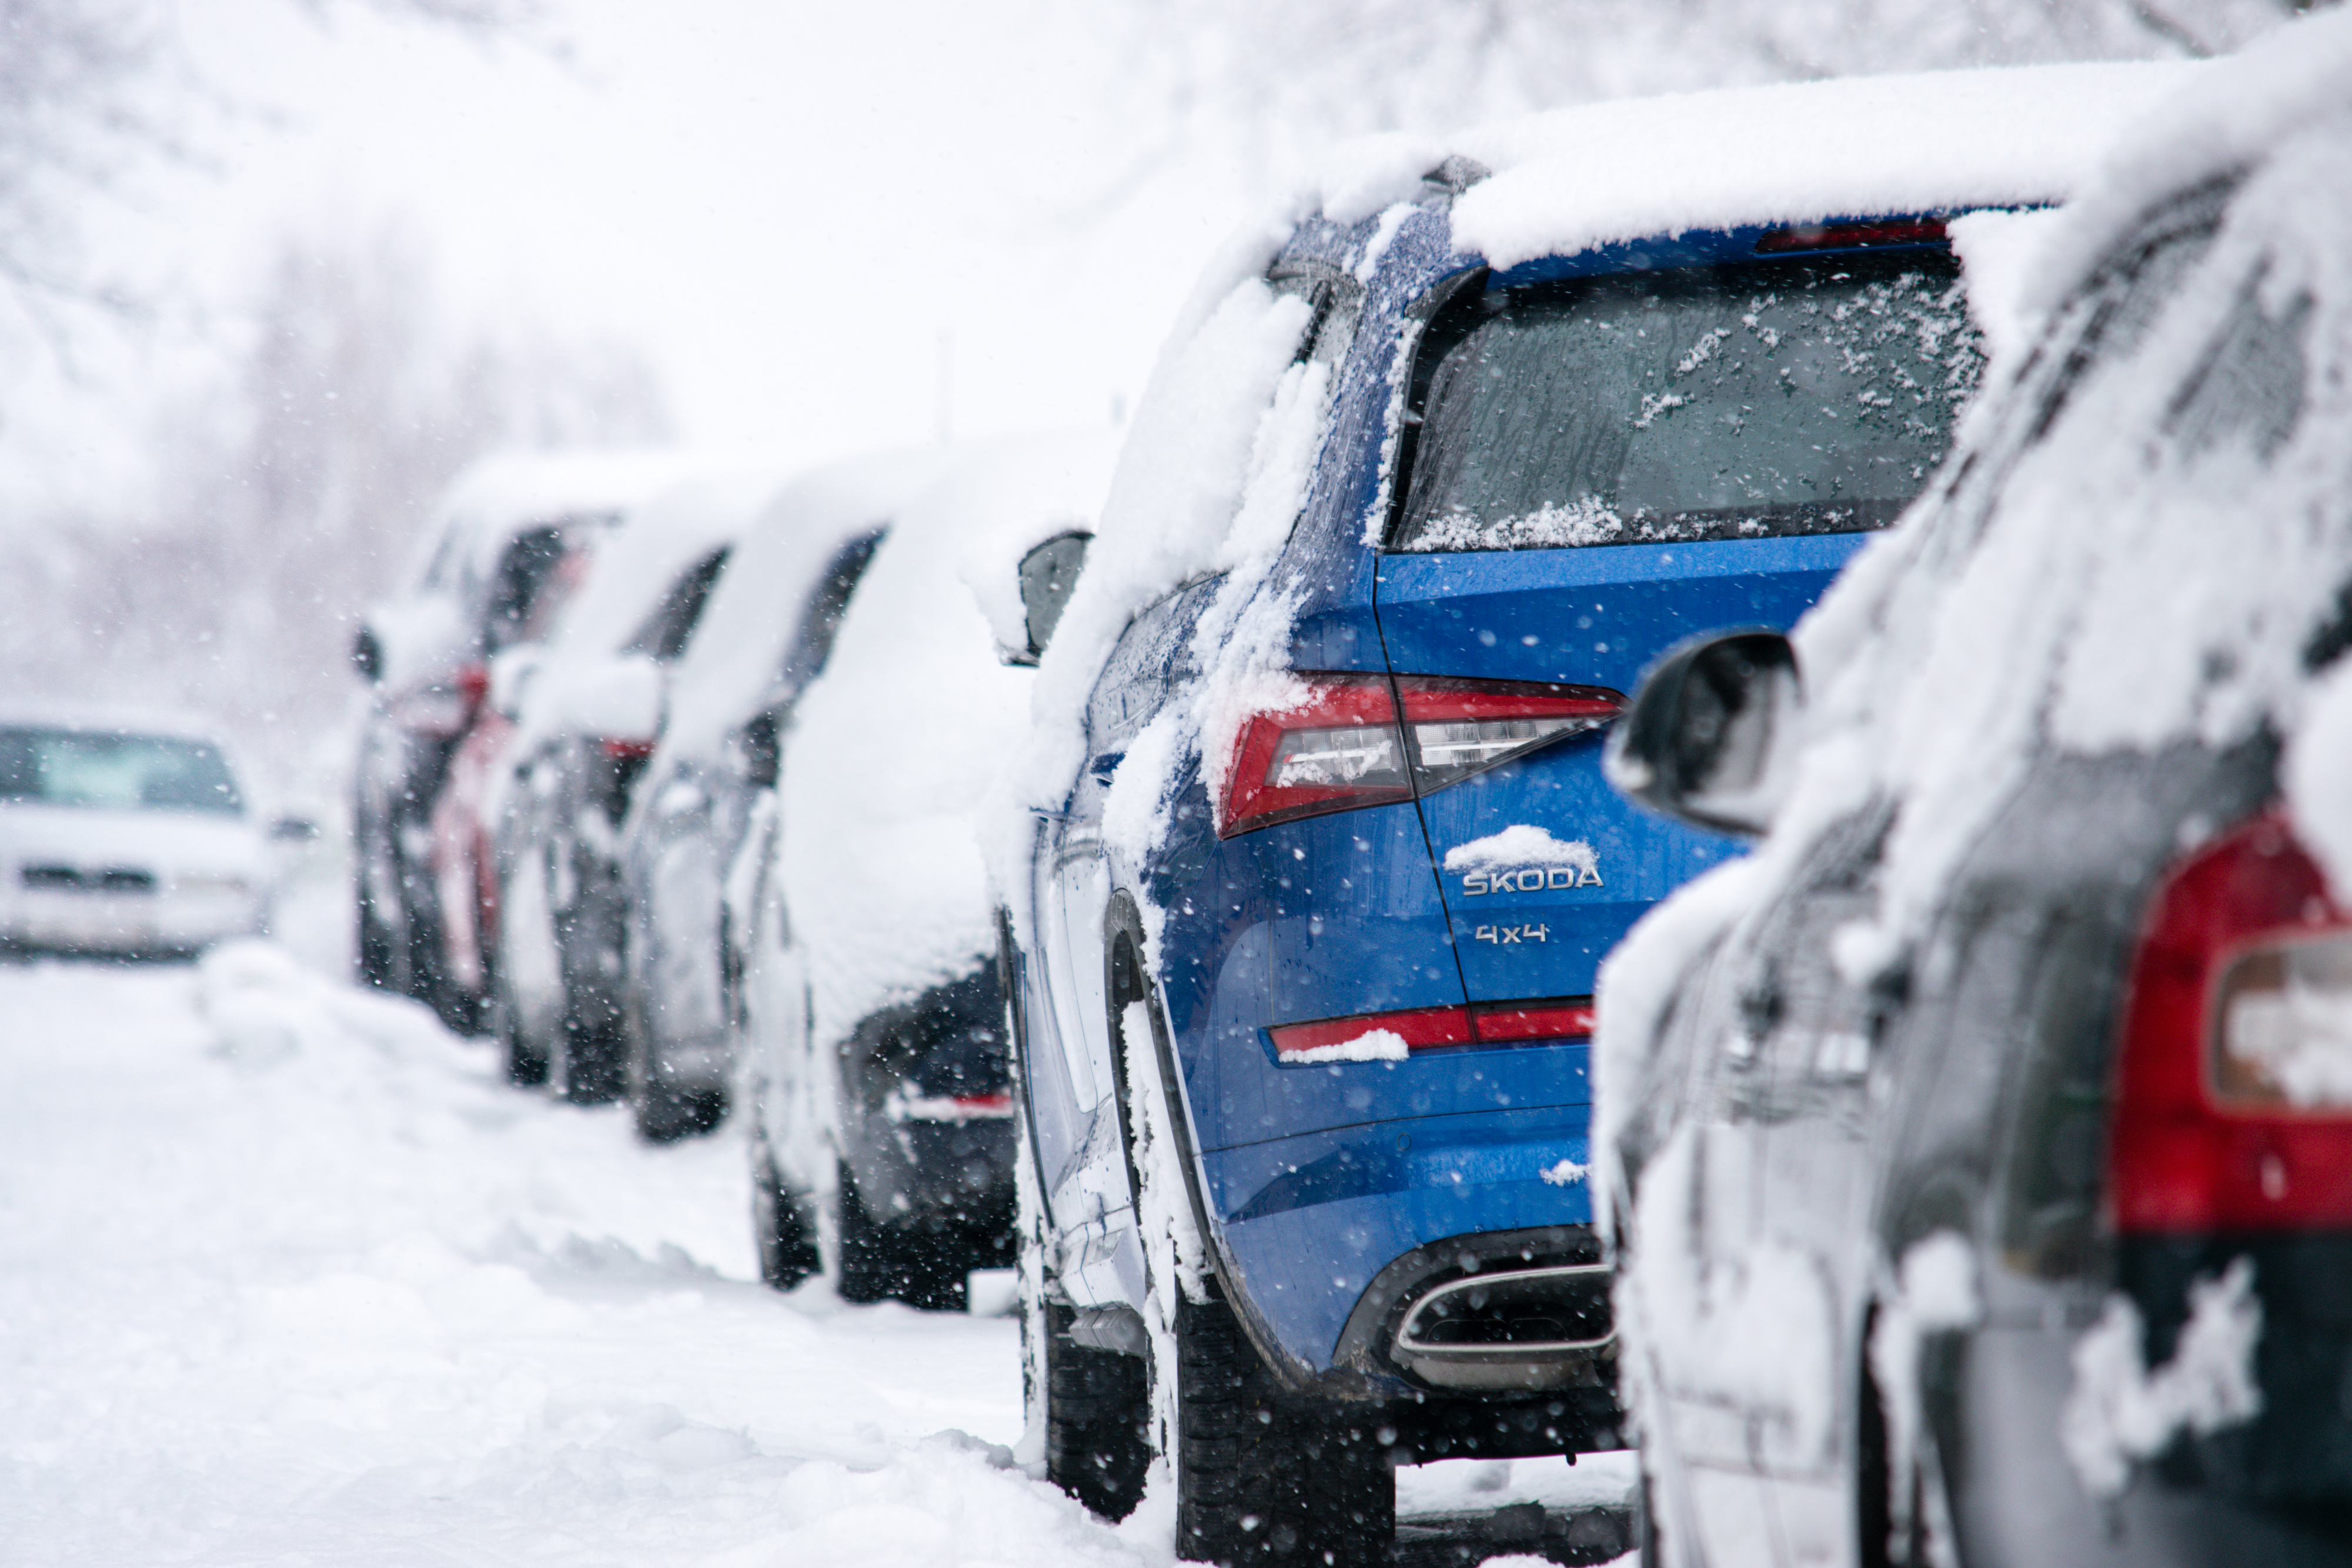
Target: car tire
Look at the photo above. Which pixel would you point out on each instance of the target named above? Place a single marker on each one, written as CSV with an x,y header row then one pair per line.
x,y
1260,1478
881,1263
1097,1420
665,1116
592,1059
377,964
781,1232
1881,1539
526,1066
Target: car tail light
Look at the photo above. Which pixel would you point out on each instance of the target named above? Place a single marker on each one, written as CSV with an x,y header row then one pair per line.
x,y
1852,236
1335,751
909,1106
1461,727
1347,745
2233,1079
1391,1036
628,750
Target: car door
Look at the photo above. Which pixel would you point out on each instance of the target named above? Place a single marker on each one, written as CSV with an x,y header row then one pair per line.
x,y
1081,1142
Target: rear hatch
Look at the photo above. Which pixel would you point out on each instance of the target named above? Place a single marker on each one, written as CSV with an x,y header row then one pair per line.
x,y
1597,467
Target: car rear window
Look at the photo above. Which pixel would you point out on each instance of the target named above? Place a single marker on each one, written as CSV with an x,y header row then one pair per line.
x,y
1719,402
115,772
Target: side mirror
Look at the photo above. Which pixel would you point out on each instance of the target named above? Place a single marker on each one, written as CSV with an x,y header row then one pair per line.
x,y
755,752
1048,573
1706,737
367,656
511,673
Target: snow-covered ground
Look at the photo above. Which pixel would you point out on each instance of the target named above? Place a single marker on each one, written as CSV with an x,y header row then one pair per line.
x,y
288,1275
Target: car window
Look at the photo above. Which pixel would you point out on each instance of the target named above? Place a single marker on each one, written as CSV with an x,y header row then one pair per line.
x,y
2249,383
518,589
115,772
665,633
1718,403
821,620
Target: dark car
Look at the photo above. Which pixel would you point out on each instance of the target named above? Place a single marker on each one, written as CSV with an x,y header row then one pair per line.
x,y
874,1024
483,582
1980,1149
1305,941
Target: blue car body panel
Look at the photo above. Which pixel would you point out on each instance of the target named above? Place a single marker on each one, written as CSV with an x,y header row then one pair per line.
x,y
1315,1177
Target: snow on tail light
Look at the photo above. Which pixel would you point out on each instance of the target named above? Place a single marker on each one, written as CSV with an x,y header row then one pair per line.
x,y
1337,749
1347,745
2233,1081
1393,1037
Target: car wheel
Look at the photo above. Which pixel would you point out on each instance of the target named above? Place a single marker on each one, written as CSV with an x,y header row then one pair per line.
x,y
1262,1478
780,1228
665,1116
376,953
1887,1536
1097,1420
882,1262
592,1057
526,1066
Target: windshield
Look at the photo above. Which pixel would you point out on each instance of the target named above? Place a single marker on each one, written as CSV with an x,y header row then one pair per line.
x,y
115,772
1792,398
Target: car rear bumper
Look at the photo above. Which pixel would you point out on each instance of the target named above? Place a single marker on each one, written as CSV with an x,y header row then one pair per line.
x,y
129,925
1317,1227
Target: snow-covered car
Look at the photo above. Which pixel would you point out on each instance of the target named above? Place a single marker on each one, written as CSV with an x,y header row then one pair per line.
x,y
124,834
480,572
1980,1148
1315,864
874,1038
588,710
764,636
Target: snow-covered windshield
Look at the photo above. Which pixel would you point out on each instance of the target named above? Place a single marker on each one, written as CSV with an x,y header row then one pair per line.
x,y
115,772
1796,397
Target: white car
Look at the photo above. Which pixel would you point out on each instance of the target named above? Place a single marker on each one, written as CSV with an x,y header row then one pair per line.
x,y
122,836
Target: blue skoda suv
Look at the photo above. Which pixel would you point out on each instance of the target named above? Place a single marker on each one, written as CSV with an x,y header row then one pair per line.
x,y
1302,1043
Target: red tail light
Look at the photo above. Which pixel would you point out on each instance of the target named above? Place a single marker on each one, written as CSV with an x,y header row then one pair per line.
x,y
1851,236
1377,1036
1337,749
628,750
2233,1081
1344,747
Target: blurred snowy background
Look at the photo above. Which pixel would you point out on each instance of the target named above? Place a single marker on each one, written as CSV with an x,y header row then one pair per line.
x,y
272,270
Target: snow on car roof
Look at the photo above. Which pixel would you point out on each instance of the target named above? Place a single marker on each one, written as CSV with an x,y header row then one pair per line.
x,y
1792,153
1224,438
738,648
2216,125
110,718
498,496
632,570
892,749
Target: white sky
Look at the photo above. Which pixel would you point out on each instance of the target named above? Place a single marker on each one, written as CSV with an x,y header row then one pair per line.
x,y
785,206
